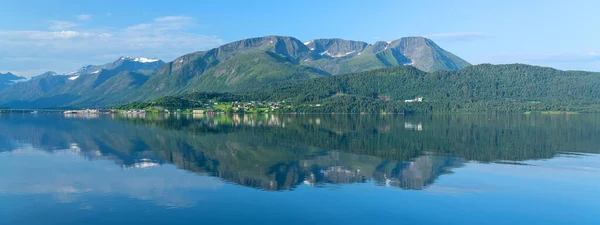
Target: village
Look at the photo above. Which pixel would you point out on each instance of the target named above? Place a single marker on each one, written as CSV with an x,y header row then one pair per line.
x,y
238,107
211,107
208,107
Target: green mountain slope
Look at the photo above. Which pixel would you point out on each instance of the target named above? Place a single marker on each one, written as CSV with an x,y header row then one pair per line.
x,y
256,62
114,90
236,66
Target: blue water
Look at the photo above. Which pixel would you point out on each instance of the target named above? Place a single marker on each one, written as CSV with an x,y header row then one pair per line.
x,y
56,170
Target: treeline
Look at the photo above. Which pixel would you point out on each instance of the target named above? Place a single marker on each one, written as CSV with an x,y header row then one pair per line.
x,y
192,100
481,88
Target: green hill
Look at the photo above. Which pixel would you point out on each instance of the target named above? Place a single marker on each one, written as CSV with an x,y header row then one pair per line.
x,y
481,88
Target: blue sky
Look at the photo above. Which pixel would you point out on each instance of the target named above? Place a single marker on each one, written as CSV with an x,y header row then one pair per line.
x,y
42,35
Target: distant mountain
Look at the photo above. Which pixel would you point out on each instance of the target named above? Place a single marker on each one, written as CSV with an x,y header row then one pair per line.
x,y
8,79
33,92
239,66
125,63
88,85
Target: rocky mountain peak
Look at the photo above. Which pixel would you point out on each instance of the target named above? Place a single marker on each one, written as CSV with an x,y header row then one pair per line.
x,y
336,47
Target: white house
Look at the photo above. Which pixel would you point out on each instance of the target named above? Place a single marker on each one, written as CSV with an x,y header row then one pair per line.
x,y
417,99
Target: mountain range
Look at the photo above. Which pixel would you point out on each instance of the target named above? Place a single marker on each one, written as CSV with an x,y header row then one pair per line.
x,y
244,65
8,79
92,85
251,63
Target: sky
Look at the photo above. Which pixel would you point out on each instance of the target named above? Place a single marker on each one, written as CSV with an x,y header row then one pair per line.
x,y
64,35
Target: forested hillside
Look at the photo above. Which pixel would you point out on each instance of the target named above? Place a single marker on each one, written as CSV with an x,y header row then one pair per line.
x,y
481,88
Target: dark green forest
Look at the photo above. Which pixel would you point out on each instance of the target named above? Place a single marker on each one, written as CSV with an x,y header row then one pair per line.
x,y
482,88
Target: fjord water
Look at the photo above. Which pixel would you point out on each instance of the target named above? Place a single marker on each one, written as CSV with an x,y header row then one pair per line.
x,y
299,169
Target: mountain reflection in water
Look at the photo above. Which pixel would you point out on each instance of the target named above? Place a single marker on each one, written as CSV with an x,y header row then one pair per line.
x,y
280,152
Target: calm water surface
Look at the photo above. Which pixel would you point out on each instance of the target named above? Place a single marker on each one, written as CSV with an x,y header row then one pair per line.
x,y
300,169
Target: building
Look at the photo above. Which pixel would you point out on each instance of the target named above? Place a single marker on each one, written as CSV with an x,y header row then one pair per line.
x,y
417,99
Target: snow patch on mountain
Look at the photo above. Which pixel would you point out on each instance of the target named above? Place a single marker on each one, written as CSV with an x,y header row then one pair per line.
x,y
19,80
337,55
74,77
140,59
145,60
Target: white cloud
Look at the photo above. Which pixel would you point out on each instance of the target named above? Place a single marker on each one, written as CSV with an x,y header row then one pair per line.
x,y
62,25
24,36
84,17
66,49
566,57
576,60
163,24
457,36
173,19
